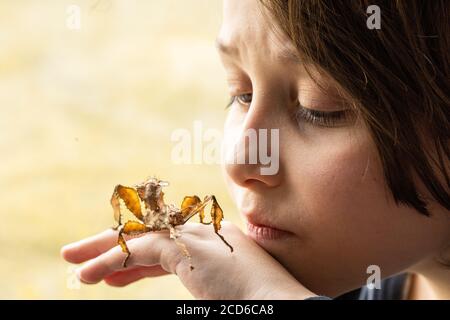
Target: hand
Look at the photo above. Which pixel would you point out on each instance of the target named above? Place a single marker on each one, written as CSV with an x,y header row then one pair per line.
x,y
247,273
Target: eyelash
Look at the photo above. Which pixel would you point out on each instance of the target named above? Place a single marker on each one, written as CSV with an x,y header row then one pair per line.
x,y
312,116
236,99
327,119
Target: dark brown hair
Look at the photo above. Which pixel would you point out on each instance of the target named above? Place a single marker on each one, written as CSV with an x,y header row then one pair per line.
x,y
397,76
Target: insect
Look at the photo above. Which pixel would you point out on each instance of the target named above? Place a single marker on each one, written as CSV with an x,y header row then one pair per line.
x,y
157,215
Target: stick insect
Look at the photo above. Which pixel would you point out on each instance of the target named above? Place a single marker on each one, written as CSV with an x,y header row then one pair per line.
x,y
157,215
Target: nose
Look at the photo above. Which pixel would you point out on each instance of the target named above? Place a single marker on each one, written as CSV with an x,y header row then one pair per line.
x,y
252,149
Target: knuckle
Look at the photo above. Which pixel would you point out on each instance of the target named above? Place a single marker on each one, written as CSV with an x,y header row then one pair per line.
x,y
170,258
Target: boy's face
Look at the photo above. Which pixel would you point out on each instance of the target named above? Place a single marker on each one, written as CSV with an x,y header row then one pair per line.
x,y
328,194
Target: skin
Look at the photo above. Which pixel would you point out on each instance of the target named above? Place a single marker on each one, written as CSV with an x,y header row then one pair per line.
x,y
251,273
329,194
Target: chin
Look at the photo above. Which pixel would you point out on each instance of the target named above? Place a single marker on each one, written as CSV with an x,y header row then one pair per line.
x,y
318,274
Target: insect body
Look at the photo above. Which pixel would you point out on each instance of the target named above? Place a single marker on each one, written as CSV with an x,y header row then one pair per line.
x,y
156,215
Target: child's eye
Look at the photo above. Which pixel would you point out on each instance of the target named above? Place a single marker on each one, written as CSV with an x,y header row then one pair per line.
x,y
243,99
324,118
316,117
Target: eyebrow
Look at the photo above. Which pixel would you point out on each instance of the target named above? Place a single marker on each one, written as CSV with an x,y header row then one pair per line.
x,y
285,54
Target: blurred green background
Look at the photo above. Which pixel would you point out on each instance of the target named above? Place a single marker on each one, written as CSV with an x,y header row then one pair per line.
x,y
85,109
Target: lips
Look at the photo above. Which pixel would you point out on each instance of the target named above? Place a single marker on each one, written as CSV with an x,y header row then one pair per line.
x,y
264,231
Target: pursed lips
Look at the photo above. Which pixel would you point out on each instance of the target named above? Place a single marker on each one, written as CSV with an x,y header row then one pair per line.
x,y
259,228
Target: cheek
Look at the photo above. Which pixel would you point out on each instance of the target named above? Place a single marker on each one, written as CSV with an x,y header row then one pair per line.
x,y
341,189
332,172
343,195
348,215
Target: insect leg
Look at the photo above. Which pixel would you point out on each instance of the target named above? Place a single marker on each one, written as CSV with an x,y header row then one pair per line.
x,y
130,228
115,203
131,199
174,234
217,216
192,205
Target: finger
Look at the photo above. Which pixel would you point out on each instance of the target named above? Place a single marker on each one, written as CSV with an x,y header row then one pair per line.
x,y
145,251
125,277
89,248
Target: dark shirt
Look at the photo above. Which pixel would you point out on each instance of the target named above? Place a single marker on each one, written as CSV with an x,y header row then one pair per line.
x,y
393,288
